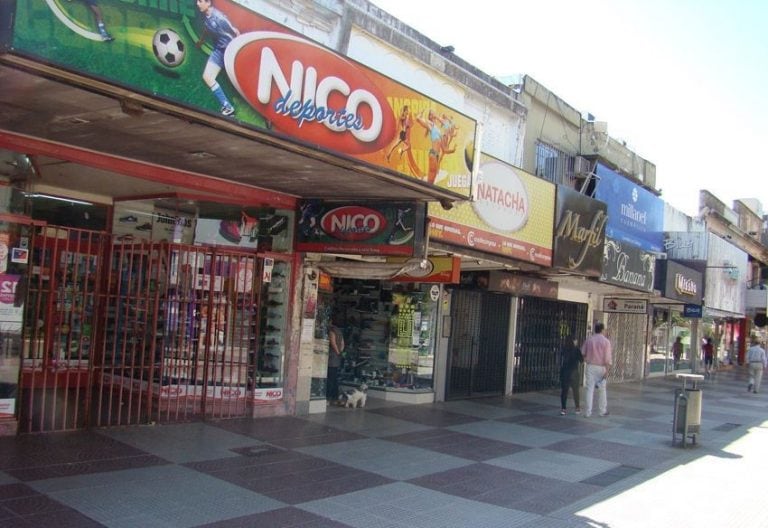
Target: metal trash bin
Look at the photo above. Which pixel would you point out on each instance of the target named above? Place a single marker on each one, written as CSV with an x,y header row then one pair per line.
x,y
687,410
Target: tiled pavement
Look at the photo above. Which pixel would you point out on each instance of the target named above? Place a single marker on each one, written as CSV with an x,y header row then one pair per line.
x,y
478,463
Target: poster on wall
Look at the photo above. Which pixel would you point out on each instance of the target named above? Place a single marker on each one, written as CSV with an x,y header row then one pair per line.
x,y
271,78
5,241
10,334
137,220
217,232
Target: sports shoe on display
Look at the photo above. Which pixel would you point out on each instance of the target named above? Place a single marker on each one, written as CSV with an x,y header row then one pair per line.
x,y
230,230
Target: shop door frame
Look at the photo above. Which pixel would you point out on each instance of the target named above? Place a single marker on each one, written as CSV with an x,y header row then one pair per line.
x,y
477,356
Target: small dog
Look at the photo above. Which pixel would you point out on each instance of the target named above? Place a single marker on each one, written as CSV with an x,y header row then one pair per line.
x,y
355,398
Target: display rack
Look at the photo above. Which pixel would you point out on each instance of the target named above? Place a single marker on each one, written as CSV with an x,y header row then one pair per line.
x,y
387,331
269,354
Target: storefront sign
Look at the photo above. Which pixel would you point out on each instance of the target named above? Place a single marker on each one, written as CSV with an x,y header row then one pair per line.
x,y
436,269
511,215
626,265
267,395
678,282
635,215
693,311
633,306
273,79
369,229
520,285
579,232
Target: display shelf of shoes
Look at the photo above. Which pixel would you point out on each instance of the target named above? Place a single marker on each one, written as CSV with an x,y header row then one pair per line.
x,y
367,327
269,360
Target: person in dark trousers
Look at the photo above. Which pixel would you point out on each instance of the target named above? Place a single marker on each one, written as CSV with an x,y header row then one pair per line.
x,y
570,373
709,356
677,352
335,352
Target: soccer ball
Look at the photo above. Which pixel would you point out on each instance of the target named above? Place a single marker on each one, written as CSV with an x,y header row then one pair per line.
x,y
168,47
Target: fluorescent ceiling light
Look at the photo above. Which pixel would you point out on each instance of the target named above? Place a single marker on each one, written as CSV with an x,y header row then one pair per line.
x,y
58,198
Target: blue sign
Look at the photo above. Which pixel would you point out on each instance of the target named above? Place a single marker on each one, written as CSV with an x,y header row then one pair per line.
x,y
635,215
692,311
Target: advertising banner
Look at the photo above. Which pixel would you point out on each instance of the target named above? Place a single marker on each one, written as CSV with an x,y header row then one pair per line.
x,y
579,232
635,215
242,233
366,229
11,316
512,215
224,58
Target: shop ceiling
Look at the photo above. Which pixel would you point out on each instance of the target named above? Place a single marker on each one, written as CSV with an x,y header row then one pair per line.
x,y
96,117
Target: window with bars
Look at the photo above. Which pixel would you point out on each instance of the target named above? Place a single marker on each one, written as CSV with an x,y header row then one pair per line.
x,y
552,164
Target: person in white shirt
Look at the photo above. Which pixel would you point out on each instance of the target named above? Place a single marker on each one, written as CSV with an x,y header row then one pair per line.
x,y
757,361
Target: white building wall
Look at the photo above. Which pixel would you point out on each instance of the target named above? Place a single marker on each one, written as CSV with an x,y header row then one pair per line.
x,y
725,276
319,20
676,220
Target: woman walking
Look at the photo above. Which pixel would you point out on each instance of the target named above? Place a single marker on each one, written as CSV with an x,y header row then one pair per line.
x,y
571,360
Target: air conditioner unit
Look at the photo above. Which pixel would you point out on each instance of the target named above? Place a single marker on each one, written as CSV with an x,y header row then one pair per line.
x,y
581,167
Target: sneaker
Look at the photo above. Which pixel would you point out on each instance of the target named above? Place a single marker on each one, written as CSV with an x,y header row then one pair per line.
x,y
749,388
129,219
227,110
105,37
144,227
230,231
578,411
606,413
562,412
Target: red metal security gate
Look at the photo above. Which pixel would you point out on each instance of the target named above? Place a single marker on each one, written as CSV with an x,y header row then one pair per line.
x,y
60,315
121,332
178,330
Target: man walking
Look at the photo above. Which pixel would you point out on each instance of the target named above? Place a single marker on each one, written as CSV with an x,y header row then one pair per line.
x,y
599,357
756,360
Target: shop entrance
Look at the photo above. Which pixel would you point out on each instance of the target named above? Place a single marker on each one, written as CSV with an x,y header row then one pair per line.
x,y
478,344
120,331
543,327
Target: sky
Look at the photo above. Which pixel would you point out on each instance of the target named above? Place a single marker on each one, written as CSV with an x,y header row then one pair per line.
x,y
683,82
